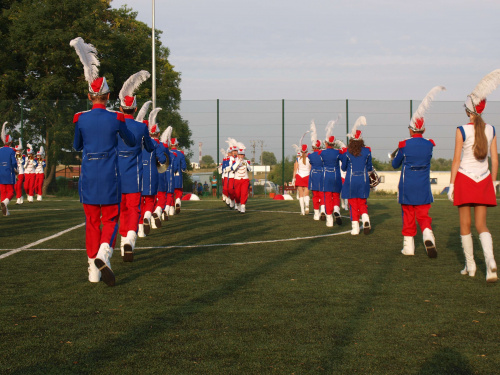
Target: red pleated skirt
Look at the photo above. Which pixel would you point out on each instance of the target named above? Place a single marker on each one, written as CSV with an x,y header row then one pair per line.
x,y
468,191
301,181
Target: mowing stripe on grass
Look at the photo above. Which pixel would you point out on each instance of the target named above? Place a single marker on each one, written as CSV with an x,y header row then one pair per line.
x,y
26,247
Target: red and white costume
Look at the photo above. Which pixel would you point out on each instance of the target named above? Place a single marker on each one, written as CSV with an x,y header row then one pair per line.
x,y
241,181
29,174
21,159
303,171
39,174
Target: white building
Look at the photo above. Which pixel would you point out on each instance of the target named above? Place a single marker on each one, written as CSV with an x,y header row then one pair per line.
x,y
389,181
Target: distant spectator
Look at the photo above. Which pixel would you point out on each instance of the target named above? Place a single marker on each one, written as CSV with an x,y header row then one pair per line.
x,y
200,189
213,180
195,187
205,187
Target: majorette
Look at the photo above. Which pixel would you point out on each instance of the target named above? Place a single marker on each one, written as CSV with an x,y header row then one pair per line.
x,y
301,171
316,175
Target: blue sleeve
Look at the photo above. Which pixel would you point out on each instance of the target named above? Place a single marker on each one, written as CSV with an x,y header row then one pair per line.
x,y
369,166
13,161
461,128
160,153
183,163
398,160
148,143
494,131
343,159
126,134
78,140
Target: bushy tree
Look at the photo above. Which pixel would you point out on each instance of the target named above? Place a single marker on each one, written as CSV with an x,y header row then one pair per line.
x,y
268,158
207,160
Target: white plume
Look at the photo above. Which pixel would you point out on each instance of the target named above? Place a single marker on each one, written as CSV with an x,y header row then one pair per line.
x,y
166,135
88,56
339,144
426,103
223,152
4,132
330,126
296,148
152,116
143,111
241,146
361,121
42,150
231,142
133,83
314,133
29,147
487,85
302,138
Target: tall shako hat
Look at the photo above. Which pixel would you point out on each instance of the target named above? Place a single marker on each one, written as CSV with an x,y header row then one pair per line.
x,y
223,152
143,111
330,139
165,136
152,125
41,152
6,138
241,148
174,142
355,134
126,95
29,149
476,101
315,142
417,120
87,54
19,147
232,143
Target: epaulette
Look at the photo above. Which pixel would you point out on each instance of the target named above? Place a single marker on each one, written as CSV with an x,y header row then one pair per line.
x,y
120,116
402,144
432,141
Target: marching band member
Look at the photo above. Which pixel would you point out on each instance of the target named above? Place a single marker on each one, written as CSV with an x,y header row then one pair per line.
x,y
357,162
471,182
241,181
181,168
21,159
415,195
332,181
301,171
316,176
150,176
233,154
223,173
29,173
130,164
163,182
8,170
99,185
39,173
170,174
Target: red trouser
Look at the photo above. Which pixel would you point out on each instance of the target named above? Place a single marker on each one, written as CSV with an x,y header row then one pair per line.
x,y
241,190
29,183
409,212
230,188
170,199
357,207
39,177
6,192
177,193
148,204
224,187
95,214
331,200
161,200
19,185
130,212
318,199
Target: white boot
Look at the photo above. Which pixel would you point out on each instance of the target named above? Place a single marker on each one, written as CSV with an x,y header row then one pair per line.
x,y
316,215
128,250
329,220
123,241
5,209
38,197
336,214
470,265
345,204
140,231
365,219
238,206
306,203
30,198
302,208
489,258
242,209
322,212
408,246
18,201
147,222
171,211
355,228
429,243
94,273
156,221
231,204
103,263
21,200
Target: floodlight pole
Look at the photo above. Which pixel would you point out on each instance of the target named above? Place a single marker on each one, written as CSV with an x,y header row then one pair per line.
x,y
154,57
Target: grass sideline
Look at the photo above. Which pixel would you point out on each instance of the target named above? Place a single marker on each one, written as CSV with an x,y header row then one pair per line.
x,y
334,303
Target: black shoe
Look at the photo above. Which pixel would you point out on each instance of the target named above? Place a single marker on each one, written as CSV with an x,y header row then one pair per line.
x,y
147,226
323,216
4,209
157,221
338,218
106,274
128,253
430,248
177,208
366,227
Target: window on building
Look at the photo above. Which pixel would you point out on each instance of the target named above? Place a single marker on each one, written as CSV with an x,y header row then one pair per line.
x,y
434,181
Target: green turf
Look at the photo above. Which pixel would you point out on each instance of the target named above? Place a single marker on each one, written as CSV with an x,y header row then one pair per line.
x,y
333,304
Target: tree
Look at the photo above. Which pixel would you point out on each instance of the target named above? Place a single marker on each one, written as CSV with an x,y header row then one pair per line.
x,y
39,66
268,158
207,160
276,175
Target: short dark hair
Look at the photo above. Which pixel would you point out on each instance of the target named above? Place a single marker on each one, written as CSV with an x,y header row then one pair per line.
x,y
128,111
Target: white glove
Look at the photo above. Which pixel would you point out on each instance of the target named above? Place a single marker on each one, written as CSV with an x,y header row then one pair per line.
x,y
451,189
293,181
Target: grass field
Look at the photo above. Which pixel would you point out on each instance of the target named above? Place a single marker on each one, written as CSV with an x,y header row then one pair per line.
x,y
268,292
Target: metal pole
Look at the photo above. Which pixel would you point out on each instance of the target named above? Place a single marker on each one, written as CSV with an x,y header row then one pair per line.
x,y
411,108
347,120
154,57
218,175
283,145
22,121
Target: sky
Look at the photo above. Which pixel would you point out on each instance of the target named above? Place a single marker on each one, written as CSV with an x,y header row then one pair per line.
x,y
325,50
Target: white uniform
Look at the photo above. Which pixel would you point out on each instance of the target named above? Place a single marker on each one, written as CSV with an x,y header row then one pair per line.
x,y
475,169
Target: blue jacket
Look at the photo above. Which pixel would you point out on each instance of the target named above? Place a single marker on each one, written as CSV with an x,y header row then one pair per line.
x,y
415,155
180,167
316,174
166,179
332,181
8,166
150,176
96,135
130,158
357,182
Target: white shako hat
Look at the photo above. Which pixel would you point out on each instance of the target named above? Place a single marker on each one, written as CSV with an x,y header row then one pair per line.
x,y
476,101
88,56
417,120
232,143
152,125
166,135
29,149
41,152
315,142
355,134
330,138
241,148
174,142
19,147
6,138
126,95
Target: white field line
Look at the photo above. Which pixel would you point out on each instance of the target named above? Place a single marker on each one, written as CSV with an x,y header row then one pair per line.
x,y
27,247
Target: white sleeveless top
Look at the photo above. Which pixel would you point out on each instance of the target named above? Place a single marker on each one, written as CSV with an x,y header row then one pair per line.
x,y
469,165
304,169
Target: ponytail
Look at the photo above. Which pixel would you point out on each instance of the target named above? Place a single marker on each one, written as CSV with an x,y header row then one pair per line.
x,y
480,146
303,157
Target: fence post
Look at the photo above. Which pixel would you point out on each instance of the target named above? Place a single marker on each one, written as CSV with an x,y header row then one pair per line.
x,y
347,120
411,108
219,180
283,144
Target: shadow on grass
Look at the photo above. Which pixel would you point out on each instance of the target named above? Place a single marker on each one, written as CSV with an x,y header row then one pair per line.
x,y
446,361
